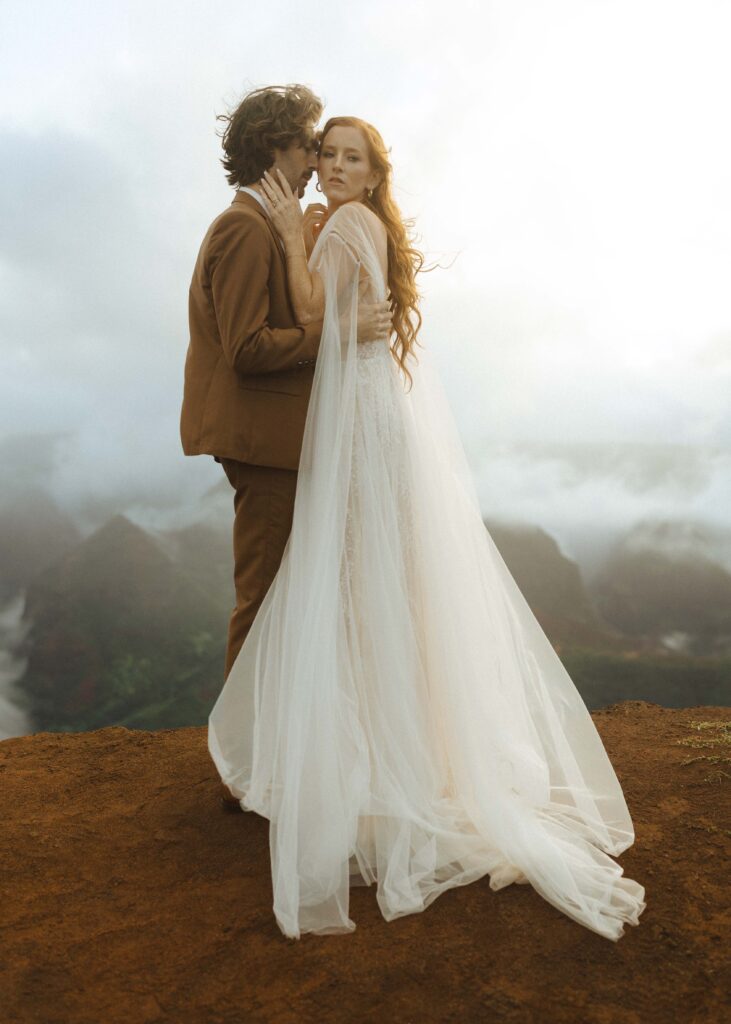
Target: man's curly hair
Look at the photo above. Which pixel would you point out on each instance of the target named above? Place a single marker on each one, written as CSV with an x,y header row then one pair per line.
x,y
275,116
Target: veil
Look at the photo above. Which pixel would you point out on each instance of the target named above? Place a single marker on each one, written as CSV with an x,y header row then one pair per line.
x,y
396,711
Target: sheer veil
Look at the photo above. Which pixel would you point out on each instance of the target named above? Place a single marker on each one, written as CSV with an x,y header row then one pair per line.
x,y
396,711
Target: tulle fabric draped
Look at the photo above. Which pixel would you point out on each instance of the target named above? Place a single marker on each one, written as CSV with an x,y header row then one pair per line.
x,y
396,711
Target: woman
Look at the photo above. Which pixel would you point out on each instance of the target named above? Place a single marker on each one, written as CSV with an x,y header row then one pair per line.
x,y
396,711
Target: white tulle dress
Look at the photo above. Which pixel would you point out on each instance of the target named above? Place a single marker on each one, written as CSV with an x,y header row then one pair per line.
x,y
396,711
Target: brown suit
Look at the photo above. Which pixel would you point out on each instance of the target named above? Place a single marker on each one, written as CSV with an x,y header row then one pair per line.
x,y
249,367
248,375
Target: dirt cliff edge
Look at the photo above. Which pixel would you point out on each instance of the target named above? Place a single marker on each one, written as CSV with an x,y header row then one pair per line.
x,y
129,895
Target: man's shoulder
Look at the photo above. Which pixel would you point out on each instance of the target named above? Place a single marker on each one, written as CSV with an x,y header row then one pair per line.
x,y
237,229
238,219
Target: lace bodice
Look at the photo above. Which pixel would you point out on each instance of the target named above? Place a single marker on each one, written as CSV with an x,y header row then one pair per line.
x,y
373,349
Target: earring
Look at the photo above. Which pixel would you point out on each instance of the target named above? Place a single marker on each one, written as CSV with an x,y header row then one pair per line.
x,y
317,187
370,192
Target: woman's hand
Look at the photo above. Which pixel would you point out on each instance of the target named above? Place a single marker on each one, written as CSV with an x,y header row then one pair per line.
x,y
312,224
283,208
305,290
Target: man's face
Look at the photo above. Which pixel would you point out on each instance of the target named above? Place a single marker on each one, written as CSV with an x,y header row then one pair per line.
x,y
297,163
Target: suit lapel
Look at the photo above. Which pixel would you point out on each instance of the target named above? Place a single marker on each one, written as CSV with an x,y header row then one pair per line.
x,y
251,204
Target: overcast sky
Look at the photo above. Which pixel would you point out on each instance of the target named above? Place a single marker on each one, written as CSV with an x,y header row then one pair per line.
x,y
571,159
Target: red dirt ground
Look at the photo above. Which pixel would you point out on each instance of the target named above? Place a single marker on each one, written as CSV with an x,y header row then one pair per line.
x,y
129,895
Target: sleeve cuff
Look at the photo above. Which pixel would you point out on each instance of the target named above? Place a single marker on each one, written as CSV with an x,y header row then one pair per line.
x,y
312,342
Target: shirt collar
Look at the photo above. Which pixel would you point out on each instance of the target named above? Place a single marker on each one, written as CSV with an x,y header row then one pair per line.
x,y
255,194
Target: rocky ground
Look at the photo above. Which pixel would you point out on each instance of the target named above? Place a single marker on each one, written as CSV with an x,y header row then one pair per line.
x,y
129,895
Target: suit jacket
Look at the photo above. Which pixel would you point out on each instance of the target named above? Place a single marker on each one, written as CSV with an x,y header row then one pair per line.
x,y
249,368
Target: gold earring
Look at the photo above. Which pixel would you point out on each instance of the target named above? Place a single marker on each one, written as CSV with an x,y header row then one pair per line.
x,y
370,192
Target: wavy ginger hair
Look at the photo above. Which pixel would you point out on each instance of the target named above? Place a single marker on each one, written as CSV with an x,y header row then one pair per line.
x,y
404,260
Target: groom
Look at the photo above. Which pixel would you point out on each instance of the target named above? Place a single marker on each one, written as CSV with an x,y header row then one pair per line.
x,y
249,366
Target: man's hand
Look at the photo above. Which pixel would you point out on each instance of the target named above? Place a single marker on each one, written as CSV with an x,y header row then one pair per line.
x,y
374,321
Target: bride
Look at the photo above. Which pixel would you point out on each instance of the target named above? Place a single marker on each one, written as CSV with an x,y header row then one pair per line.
x,y
396,711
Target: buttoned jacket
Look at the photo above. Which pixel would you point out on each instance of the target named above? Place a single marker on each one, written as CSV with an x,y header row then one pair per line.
x,y
249,367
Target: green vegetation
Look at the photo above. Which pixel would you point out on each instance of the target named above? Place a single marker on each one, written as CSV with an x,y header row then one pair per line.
x,y
141,691
121,636
672,680
130,630
716,734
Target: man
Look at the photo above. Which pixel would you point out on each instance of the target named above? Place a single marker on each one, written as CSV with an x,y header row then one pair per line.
x,y
249,366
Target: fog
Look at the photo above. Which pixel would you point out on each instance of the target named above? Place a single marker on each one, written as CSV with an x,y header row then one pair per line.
x,y
13,721
567,165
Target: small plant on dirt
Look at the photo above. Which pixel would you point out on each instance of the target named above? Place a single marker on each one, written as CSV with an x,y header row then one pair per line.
x,y
714,734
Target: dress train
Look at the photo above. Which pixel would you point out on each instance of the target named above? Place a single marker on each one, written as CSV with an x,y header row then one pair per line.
x,y
396,711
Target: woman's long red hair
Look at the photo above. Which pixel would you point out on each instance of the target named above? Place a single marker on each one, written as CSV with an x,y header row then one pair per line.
x,y
404,260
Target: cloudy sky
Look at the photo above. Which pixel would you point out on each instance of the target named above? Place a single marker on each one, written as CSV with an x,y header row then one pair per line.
x,y
567,160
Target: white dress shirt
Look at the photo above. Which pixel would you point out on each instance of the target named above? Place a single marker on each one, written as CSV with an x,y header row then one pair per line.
x,y
255,194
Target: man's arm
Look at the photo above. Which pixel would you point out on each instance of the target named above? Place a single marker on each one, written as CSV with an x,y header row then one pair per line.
x,y
240,263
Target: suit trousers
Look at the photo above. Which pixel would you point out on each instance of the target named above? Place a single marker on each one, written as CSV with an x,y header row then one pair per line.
x,y
263,511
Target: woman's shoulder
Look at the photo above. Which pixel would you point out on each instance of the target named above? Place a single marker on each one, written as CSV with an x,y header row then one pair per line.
x,y
356,212
359,228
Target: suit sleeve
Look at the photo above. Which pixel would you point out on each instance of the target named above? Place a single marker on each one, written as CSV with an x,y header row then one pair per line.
x,y
239,275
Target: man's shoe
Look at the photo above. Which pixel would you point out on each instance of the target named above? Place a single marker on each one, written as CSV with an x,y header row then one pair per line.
x,y
229,802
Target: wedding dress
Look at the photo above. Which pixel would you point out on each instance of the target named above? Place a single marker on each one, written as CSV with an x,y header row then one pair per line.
x,y
396,711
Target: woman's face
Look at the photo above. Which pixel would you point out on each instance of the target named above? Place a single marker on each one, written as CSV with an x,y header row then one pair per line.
x,y
343,167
